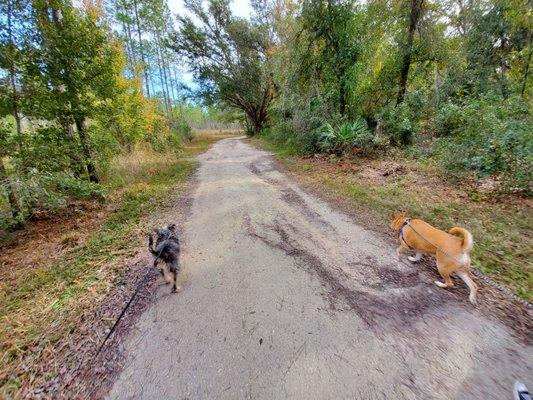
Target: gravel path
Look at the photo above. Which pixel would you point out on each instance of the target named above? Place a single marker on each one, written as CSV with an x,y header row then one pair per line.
x,y
284,297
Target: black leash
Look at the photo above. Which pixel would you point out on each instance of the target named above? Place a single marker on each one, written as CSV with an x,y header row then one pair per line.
x,y
139,286
120,316
407,222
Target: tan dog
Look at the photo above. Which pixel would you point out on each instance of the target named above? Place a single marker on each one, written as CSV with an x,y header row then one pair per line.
x,y
452,252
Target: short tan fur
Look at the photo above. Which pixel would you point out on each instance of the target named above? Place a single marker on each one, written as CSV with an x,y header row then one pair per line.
x,y
452,252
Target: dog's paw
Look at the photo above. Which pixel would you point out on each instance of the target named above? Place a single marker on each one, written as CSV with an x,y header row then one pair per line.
x,y
177,289
415,258
440,284
473,300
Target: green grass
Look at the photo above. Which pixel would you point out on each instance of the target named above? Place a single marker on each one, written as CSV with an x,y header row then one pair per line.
x,y
44,303
501,227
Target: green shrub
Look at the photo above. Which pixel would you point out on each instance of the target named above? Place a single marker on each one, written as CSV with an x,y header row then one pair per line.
x,y
171,139
280,132
49,192
71,187
448,119
495,138
327,137
346,137
46,149
184,130
295,128
398,124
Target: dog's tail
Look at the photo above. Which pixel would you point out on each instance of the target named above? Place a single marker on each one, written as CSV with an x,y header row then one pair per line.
x,y
468,239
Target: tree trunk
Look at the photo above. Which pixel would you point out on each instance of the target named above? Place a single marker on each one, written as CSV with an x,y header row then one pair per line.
x,y
526,68
526,74
76,162
166,83
127,46
342,90
132,48
145,66
256,121
78,168
82,132
162,67
171,84
414,18
503,68
11,197
176,80
162,76
14,99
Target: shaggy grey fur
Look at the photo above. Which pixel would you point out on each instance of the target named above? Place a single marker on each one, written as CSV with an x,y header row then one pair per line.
x,y
167,248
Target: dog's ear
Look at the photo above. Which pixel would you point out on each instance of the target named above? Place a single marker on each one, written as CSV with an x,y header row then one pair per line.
x,y
392,216
172,227
405,214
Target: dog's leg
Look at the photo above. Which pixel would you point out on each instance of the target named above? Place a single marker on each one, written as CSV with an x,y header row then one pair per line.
x,y
416,258
400,250
167,274
443,271
161,271
467,278
174,269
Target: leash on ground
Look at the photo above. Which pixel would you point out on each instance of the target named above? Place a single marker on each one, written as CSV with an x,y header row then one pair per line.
x,y
480,275
125,308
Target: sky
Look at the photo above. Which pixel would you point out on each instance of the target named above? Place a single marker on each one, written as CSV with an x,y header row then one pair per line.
x,y
240,8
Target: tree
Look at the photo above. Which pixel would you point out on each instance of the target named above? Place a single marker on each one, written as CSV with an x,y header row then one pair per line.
x,y
13,28
331,43
229,57
79,60
416,10
10,55
5,148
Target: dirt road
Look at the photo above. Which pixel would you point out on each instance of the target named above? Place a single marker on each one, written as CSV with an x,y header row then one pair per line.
x,y
284,297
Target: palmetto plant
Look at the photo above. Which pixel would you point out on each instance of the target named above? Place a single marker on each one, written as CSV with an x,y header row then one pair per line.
x,y
327,137
345,137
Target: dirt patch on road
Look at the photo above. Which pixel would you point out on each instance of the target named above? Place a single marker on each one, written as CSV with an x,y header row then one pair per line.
x,y
393,278
393,311
289,195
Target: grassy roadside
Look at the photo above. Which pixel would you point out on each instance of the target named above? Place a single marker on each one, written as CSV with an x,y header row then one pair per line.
x,y
501,227
41,305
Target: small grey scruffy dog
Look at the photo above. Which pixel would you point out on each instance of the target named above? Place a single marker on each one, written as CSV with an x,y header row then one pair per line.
x,y
167,248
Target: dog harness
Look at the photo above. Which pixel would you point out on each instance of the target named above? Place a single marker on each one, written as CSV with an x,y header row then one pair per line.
x,y
405,223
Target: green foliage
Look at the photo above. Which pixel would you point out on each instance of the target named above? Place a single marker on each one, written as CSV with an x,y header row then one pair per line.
x,y
48,192
184,130
491,140
46,149
449,118
398,124
347,137
428,77
62,68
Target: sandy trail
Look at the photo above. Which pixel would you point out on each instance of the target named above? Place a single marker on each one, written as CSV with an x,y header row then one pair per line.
x,y
284,297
